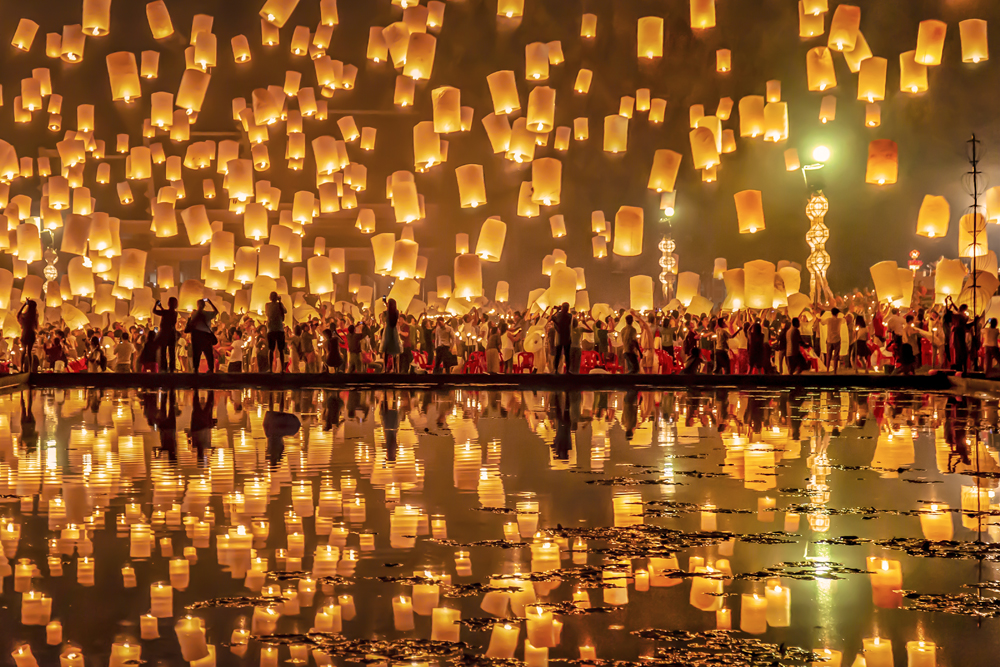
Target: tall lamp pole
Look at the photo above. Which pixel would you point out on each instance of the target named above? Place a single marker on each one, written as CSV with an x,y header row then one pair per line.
x,y
668,260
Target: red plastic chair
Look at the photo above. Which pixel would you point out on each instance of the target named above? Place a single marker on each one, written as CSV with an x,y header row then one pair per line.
x,y
420,359
612,364
666,362
589,361
476,363
525,362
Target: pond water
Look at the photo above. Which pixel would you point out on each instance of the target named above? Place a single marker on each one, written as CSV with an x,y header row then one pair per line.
x,y
248,527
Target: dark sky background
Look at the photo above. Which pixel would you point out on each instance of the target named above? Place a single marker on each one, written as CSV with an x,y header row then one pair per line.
x,y
868,223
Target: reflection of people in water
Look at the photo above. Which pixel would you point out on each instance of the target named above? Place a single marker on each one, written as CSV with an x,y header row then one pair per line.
x,y
332,407
29,429
278,426
630,413
166,422
562,444
202,422
390,424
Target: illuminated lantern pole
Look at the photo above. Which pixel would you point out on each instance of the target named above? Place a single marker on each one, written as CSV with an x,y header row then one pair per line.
x,y
668,260
818,234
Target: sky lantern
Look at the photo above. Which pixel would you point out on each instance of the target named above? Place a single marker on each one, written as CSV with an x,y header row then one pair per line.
x,y
704,149
885,275
723,60
599,247
751,112
471,185
420,56
828,109
776,121
814,7
96,17
446,104
492,234
615,133
397,40
241,49
546,181
912,73
935,213
192,89
663,175
844,28
930,42
749,211
254,221
383,246
557,224
975,46
792,160
132,268
405,204
563,135
702,14
724,108
245,265
728,141
164,222
426,145
29,243
695,113
206,50
949,275
498,131
641,293
556,56
468,277
525,207
268,261
650,37
871,79
24,35
758,284
536,61
541,109
972,237
277,12
81,278
348,128
642,98
628,231
503,90
657,110
860,53
773,91
404,259
378,49
510,8
883,162
588,26
993,204
159,19
583,80
873,114
810,25
819,69
581,128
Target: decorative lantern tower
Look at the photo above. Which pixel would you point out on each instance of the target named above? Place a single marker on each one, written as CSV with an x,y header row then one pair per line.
x,y
816,237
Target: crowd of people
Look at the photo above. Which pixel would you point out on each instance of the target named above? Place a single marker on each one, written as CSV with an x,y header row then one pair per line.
x,y
854,334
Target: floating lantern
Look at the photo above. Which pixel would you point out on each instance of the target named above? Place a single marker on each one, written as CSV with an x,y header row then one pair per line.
x,y
615,133
749,212
588,26
972,237
883,162
751,111
773,90
814,7
641,293
29,243
702,14
510,8
912,74
221,251
81,278
975,47
447,109
935,213
498,131
871,79
650,37
404,259
628,231
723,60
536,61
492,235
949,276
420,56
600,247
844,28
819,69
191,93
873,115
546,181
405,203
930,42
810,25
277,12
471,185
525,207
164,219
541,109
776,121
468,277
828,109
885,275
663,176
24,35
758,284
704,149
792,160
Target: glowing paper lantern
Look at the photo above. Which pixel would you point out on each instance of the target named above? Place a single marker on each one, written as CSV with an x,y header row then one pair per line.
x,y
912,74
503,90
546,181
641,293
404,259
883,162
24,35
819,69
930,42
405,202
446,102
949,274
628,231
688,285
471,185
873,115
468,277
663,176
935,213
221,251
29,243
191,92
828,109
975,47
541,109
650,37
776,121
615,133
536,61
277,12
871,79
492,235
704,149
600,247
81,278
723,60
132,269
420,56
791,278
749,211
751,111
885,275
844,27
810,25
792,160
525,207
972,237
758,284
